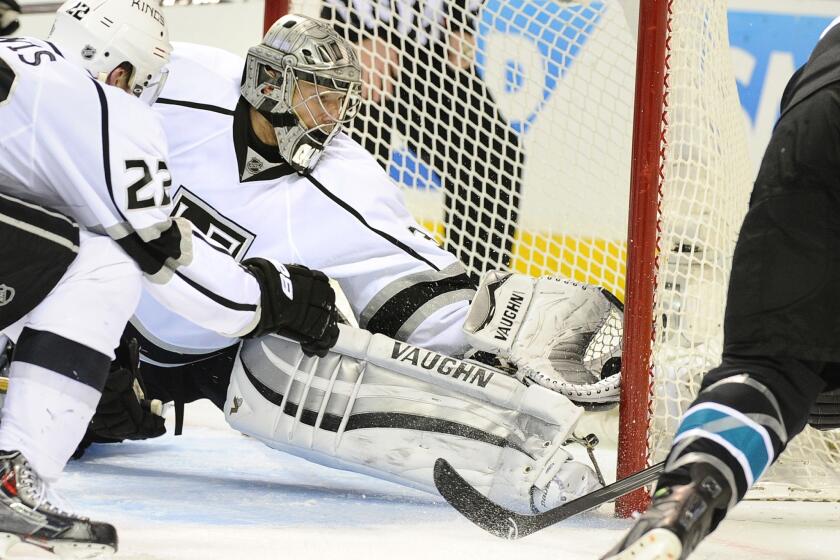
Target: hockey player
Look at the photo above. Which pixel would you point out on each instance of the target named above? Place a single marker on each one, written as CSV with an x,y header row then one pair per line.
x,y
85,207
245,147
781,326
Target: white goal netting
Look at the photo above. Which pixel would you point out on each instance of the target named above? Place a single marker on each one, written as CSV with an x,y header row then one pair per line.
x,y
509,125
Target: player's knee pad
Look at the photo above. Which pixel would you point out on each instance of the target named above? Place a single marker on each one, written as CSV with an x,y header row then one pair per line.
x,y
390,409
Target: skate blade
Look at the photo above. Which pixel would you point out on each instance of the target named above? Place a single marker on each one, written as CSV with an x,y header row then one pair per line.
x,y
658,544
82,551
63,549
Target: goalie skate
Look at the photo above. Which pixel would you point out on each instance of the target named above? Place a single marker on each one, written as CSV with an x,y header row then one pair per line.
x,y
26,515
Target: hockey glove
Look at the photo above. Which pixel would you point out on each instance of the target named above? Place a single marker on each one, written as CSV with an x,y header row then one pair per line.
x,y
9,14
123,411
297,303
546,327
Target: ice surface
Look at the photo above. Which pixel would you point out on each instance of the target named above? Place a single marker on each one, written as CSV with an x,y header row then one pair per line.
x,y
214,494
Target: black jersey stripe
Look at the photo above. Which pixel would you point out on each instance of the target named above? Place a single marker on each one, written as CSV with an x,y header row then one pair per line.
x,y
395,420
106,146
194,105
63,356
395,312
390,238
43,218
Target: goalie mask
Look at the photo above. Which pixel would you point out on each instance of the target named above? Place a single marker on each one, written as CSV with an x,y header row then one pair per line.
x,y
306,80
100,35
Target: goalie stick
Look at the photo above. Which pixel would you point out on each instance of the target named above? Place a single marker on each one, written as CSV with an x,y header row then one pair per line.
x,y
508,524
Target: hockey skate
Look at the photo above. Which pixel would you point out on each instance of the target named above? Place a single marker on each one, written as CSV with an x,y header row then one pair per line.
x,y
679,517
26,515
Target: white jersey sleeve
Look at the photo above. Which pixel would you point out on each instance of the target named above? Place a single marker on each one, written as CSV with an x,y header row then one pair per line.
x,y
402,283
98,154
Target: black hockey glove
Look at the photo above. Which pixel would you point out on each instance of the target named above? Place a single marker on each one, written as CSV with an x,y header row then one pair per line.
x,y
123,412
297,303
9,14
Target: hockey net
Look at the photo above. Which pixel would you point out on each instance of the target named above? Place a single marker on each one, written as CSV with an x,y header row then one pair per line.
x,y
509,125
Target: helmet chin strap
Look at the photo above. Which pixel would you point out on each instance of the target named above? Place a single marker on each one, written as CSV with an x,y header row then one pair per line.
x,y
279,120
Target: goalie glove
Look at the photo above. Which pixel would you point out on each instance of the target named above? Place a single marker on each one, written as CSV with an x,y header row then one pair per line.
x,y
547,328
123,411
9,14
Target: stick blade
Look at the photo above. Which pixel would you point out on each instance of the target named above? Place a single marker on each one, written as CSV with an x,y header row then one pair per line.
x,y
470,503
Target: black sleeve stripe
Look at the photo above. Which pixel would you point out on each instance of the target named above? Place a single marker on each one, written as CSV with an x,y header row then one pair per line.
x,y
136,248
106,147
63,356
393,240
396,420
151,256
194,105
224,302
394,313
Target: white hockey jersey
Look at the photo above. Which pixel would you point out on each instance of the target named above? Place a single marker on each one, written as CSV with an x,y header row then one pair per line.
x,y
97,154
346,218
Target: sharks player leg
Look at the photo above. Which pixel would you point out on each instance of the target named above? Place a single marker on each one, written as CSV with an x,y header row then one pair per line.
x,y
67,293
389,409
780,328
747,410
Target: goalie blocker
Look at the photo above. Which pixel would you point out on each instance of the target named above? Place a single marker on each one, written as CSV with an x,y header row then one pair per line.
x,y
389,409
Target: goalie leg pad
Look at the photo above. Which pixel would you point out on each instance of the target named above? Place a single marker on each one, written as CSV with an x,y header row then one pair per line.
x,y
353,411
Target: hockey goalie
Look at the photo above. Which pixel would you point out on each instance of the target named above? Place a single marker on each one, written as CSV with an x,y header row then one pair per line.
x,y
387,408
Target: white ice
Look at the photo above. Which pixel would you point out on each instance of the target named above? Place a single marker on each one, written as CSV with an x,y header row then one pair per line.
x,y
215,494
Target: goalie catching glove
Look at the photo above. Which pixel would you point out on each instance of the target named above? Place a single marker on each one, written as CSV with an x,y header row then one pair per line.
x,y
297,303
558,333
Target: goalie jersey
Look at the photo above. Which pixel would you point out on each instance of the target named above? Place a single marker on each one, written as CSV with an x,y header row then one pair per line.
x,y
97,154
345,218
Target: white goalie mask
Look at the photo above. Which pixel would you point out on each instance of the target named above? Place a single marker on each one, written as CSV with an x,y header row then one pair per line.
x,y
306,80
100,35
